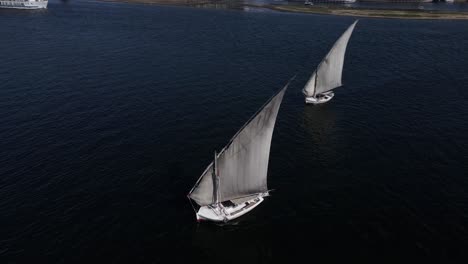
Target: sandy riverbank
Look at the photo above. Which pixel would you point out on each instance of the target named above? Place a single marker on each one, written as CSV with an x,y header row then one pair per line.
x,y
327,10
378,13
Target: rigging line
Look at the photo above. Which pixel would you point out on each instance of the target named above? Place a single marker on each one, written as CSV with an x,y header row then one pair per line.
x,y
191,204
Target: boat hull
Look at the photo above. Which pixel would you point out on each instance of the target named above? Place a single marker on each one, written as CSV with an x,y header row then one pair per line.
x,y
325,98
23,4
220,213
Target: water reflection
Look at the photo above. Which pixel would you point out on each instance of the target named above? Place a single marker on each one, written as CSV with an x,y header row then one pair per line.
x,y
321,137
319,122
230,240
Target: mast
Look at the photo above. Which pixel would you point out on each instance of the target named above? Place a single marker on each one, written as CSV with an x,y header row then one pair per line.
x,y
215,180
315,85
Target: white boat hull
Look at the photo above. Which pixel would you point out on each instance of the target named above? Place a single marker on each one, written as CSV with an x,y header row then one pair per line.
x,y
220,213
320,100
24,4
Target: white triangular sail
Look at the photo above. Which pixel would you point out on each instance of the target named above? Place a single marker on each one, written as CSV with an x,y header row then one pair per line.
x,y
243,164
328,74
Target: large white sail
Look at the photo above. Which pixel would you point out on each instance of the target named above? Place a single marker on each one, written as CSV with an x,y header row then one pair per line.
x,y
328,74
242,165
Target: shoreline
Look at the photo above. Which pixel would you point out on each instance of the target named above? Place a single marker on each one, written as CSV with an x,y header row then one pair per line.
x,y
373,13
321,10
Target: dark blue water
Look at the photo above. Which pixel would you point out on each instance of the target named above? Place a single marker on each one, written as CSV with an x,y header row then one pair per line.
x,y
110,112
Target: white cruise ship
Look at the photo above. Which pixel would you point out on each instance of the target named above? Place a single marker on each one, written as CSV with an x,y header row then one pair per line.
x,y
23,4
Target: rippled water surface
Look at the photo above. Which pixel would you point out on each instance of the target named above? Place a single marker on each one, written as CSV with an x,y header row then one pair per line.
x,y
110,112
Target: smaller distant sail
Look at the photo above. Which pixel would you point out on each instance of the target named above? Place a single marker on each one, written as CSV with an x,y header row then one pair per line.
x,y
328,74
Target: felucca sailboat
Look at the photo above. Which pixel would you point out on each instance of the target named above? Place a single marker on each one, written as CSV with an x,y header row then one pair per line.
x,y
236,181
327,76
